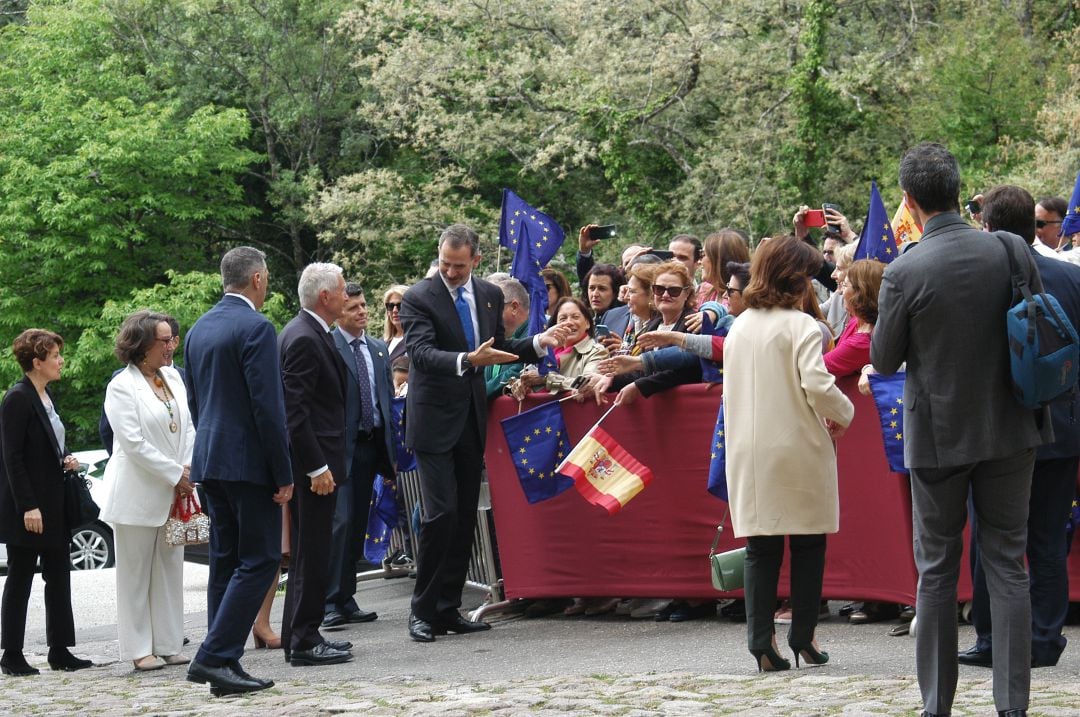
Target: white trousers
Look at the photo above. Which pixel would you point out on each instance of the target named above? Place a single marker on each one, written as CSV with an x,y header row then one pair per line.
x,y
149,592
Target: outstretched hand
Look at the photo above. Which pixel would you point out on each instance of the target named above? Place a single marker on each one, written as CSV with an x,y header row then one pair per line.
x,y
484,355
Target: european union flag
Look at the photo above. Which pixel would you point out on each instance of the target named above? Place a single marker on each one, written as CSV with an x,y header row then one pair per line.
x,y
382,518
534,237
718,458
713,371
406,459
889,398
538,443
1070,224
877,240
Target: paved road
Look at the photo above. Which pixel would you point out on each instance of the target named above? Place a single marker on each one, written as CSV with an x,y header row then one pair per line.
x,y
551,666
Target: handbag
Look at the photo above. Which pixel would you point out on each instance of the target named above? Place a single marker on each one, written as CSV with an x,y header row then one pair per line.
x,y
187,524
727,567
79,506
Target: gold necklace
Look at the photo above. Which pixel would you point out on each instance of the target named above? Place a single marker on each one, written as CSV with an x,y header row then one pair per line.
x,y
165,398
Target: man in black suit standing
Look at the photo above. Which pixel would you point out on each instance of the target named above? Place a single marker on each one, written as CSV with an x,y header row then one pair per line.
x,y
369,451
942,310
453,328
1053,481
314,379
241,459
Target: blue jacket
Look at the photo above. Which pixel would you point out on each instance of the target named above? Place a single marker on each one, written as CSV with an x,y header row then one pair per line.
x,y
1061,279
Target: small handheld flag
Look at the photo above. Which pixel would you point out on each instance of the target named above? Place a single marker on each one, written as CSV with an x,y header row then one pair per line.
x,y
405,458
904,226
718,458
877,240
604,472
888,394
538,442
382,518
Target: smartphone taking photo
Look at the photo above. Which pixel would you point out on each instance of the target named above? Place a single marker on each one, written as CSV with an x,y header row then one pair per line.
x,y
608,231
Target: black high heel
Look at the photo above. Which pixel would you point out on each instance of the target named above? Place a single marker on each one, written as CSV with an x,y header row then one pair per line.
x,y
810,654
62,660
17,666
769,660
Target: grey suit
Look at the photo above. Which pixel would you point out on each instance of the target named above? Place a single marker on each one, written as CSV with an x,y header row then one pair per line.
x,y
942,310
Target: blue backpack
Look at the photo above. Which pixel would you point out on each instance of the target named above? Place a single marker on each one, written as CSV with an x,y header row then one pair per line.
x,y
1044,350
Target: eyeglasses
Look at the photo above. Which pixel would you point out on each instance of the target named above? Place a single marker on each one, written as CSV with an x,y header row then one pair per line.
x,y
167,339
731,290
1040,223
392,306
673,291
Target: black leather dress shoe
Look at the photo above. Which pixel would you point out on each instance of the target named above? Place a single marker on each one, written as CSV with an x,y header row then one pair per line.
x,y
223,680
334,619
321,654
235,665
456,623
362,616
975,656
421,630
1012,713
342,645
934,714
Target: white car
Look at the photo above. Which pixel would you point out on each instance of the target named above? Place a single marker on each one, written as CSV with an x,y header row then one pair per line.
x,y
92,544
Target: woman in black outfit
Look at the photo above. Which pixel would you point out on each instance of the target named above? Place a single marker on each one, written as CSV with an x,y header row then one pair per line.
x,y
32,520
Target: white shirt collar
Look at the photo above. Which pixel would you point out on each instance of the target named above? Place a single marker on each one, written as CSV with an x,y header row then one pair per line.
x,y
349,338
468,286
319,319
247,301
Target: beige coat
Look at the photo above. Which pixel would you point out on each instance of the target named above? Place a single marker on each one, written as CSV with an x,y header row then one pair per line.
x,y
583,359
781,463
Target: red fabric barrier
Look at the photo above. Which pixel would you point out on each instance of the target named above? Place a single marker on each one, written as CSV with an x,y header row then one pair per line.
x,y
657,545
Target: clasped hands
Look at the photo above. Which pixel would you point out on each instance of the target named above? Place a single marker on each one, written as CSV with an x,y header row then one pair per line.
x,y
486,355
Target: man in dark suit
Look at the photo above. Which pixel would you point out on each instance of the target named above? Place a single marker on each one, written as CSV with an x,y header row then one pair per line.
x,y
1053,481
453,328
942,310
241,460
368,450
314,379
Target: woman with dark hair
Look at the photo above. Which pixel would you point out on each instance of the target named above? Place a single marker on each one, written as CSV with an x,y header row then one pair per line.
x,y
557,286
32,521
776,383
859,291
153,436
579,355
602,285
721,249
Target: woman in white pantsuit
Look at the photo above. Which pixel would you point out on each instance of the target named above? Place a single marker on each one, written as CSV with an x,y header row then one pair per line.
x,y
153,438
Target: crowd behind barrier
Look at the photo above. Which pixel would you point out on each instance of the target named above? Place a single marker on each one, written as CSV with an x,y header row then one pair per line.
x,y
658,544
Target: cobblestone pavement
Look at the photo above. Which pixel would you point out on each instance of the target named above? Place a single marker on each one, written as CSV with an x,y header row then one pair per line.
x,y
550,666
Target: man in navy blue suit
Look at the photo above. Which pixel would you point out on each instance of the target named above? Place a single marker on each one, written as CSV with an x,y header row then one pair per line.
x,y
368,451
241,459
1053,482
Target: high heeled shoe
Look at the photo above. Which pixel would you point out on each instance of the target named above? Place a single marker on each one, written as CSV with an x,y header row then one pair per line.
x,y
17,666
266,643
62,660
810,654
770,661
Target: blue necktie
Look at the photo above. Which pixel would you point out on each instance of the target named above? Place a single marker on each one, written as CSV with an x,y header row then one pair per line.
x,y
367,412
465,315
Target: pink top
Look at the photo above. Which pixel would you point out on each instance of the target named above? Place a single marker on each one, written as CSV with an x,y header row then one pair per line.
x,y
852,351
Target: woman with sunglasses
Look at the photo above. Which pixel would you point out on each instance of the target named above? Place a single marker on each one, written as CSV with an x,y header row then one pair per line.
x,y
393,333
776,384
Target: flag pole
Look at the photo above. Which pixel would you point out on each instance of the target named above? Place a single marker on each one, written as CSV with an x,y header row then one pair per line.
x,y
613,407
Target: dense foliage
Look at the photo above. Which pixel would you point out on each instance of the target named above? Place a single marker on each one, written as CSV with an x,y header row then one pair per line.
x,y
140,138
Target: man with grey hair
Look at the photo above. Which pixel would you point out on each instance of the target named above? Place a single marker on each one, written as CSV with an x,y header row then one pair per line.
x,y
314,377
515,322
241,460
453,328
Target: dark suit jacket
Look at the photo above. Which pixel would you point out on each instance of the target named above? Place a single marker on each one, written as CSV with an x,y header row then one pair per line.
x,y
616,318
439,400
942,309
314,379
381,365
234,393
1061,279
32,470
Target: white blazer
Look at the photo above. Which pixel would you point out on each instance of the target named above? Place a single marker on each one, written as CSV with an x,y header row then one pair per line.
x,y
148,459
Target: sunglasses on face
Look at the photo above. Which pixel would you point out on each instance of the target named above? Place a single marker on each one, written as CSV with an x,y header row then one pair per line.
x,y
392,305
731,290
673,291
1041,223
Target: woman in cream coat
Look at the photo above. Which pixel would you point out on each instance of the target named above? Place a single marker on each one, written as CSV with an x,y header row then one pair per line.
x,y
153,438
781,411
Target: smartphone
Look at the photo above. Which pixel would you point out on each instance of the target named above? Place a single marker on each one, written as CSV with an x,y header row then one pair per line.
x,y
814,218
602,330
832,228
608,231
662,254
578,382
973,206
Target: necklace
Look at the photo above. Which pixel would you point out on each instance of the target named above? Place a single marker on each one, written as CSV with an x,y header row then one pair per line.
x,y
166,398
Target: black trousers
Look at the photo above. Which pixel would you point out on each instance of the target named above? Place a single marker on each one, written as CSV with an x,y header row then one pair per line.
x,y
56,572
309,567
450,491
764,555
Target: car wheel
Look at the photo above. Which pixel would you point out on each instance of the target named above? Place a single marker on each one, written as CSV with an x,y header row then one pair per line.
x,y
92,548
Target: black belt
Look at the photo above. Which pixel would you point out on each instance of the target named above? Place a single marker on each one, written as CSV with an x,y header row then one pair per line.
x,y
367,436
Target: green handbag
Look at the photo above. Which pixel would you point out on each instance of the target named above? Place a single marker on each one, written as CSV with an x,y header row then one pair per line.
x,y
727,568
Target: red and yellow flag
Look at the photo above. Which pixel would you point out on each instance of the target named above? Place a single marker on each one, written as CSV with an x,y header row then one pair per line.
x,y
904,227
603,472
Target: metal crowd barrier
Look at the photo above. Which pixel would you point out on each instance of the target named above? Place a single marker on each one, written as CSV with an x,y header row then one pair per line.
x,y
484,572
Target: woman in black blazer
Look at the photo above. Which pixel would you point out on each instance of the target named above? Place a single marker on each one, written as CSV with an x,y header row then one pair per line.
x,y
32,520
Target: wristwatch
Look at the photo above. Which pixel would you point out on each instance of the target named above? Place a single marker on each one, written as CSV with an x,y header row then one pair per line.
x,y
466,364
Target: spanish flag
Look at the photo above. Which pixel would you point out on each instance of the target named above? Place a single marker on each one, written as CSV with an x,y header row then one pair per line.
x,y
603,472
904,227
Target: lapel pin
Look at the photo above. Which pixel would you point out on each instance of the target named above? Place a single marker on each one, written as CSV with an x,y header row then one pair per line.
x,y
489,304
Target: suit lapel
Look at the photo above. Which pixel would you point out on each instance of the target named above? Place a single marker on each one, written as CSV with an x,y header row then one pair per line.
x,y
328,342
485,317
39,409
346,353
